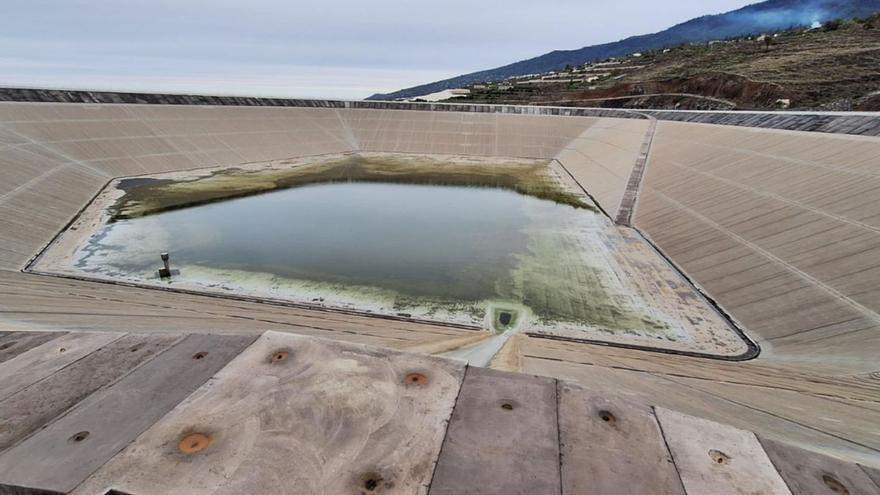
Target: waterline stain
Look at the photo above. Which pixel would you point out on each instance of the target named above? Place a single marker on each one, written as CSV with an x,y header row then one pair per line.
x,y
146,196
493,246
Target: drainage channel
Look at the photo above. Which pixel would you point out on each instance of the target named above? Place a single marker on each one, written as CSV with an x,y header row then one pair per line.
x,y
481,353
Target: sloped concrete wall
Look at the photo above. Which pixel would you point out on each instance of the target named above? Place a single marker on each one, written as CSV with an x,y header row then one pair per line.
x,y
858,123
466,133
55,157
782,228
602,158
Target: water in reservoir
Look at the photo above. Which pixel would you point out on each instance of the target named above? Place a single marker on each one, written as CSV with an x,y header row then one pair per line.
x,y
420,242
476,255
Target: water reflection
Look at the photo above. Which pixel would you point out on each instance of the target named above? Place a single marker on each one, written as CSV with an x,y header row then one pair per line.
x,y
424,241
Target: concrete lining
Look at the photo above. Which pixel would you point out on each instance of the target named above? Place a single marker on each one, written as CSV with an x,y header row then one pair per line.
x,y
291,414
803,197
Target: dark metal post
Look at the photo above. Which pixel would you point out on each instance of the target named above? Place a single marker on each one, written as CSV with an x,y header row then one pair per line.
x,y
165,272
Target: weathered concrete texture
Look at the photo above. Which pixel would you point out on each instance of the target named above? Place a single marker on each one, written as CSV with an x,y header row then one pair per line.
x,y
862,123
60,456
296,415
873,473
866,124
463,133
74,96
808,200
641,279
779,401
60,155
601,159
14,343
781,228
808,475
503,437
28,301
585,278
634,183
43,360
718,459
607,444
292,414
31,408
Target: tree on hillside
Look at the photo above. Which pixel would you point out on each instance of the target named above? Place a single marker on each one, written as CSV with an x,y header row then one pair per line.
x,y
832,25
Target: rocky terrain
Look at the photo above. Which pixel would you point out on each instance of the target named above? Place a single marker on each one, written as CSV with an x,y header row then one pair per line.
x,y
751,20
833,67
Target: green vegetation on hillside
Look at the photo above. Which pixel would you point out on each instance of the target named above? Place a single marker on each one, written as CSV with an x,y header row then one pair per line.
x,y
766,16
834,67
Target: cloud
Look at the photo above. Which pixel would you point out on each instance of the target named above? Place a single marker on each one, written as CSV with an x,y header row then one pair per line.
x,y
237,79
299,48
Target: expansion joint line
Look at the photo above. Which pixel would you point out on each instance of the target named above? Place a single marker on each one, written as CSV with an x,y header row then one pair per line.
x,y
868,313
583,189
773,196
348,134
446,427
668,449
559,454
67,159
633,185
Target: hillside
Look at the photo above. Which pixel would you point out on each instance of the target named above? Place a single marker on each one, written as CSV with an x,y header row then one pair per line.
x,y
836,67
771,15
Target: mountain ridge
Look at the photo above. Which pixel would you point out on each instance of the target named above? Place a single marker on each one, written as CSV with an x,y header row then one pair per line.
x,y
770,15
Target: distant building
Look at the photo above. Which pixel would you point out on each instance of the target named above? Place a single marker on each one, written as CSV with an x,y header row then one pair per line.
x,y
612,61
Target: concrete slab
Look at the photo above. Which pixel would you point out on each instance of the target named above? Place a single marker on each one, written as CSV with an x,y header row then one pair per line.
x,y
14,343
608,443
807,473
503,437
813,341
45,359
294,414
718,459
62,455
33,407
872,473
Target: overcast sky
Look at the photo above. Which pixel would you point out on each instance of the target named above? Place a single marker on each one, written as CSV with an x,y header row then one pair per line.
x,y
325,49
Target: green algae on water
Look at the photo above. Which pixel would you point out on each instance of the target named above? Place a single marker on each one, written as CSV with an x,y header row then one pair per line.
x,y
145,196
463,241
564,277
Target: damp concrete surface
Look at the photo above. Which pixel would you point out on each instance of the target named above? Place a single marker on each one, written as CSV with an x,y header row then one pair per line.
x,y
497,243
